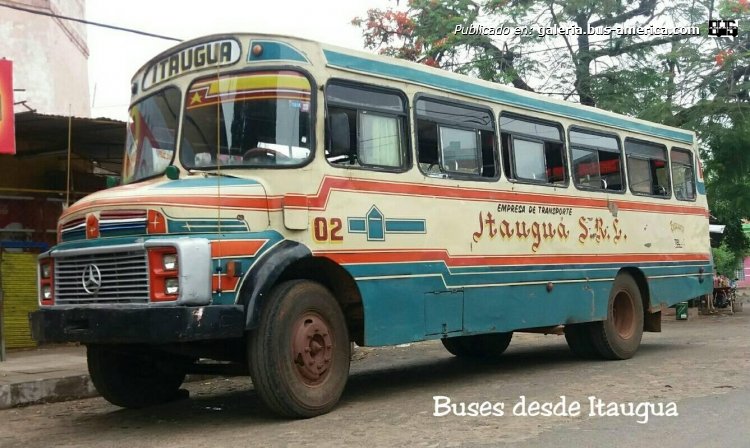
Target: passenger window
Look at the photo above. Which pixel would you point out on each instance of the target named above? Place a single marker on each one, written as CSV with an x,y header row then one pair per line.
x,y
455,140
365,127
647,168
683,174
529,159
380,140
459,151
596,161
533,151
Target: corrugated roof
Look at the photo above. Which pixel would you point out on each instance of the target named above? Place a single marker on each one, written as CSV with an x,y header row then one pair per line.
x,y
96,139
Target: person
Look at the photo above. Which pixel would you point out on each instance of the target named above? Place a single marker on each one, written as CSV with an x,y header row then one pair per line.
x,y
710,309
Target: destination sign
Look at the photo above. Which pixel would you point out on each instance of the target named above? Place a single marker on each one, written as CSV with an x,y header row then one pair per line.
x,y
208,54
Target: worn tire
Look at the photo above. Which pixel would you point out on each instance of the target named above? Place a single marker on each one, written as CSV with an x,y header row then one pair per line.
x,y
478,346
135,379
299,354
580,341
619,336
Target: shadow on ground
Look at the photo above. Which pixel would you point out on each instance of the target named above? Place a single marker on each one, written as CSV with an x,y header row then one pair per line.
x,y
221,402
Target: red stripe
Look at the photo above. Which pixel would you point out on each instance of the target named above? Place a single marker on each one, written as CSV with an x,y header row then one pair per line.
x,y
236,248
319,201
333,183
226,201
123,214
228,284
408,255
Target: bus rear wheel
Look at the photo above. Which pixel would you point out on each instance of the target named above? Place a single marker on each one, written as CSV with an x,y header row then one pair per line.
x,y
478,346
580,341
299,354
619,336
135,378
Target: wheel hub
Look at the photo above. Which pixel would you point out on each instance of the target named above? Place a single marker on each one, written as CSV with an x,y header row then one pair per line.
x,y
312,348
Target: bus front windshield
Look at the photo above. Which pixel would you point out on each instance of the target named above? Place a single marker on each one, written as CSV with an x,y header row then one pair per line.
x,y
255,119
151,135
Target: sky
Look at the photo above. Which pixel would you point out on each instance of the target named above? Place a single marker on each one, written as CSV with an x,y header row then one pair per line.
x,y
115,56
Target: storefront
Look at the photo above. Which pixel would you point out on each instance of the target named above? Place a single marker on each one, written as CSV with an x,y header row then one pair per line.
x,y
35,185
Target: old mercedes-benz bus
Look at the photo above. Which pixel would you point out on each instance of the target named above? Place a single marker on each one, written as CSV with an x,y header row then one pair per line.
x,y
281,198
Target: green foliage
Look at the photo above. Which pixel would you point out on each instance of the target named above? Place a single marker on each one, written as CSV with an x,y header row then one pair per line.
x,y
699,82
725,261
728,168
630,92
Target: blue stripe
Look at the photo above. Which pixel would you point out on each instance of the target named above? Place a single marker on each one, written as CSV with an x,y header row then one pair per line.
x,y
701,188
528,101
495,308
102,242
123,226
72,235
405,225
206,182
275,51
356,225
205,226
486,275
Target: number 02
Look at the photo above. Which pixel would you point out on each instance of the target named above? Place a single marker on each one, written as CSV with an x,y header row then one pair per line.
x,y
327,230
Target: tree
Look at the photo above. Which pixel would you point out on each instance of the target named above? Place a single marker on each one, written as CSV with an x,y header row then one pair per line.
x,y
697,82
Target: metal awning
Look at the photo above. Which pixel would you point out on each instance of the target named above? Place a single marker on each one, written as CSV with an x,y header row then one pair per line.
x,y
98,140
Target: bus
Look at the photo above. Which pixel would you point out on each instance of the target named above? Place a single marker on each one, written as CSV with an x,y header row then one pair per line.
x,y
281,198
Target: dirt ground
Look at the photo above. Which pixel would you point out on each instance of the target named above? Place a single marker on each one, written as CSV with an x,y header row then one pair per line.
x,y
699,365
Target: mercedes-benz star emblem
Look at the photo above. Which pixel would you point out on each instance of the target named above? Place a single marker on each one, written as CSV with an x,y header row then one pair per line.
x,y
91,279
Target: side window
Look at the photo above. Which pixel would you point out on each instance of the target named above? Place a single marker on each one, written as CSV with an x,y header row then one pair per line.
x,y
365,127
647,168
455,140
596,161
533,151
683,174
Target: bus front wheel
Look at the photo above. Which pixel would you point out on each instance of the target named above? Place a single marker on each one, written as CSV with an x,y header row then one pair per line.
x,y
299,354
619,336
133,378
478,346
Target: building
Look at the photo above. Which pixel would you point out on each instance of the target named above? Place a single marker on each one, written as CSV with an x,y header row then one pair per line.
x,y
50,56
61,153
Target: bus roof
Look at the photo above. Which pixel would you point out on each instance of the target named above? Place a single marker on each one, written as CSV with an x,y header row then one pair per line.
x,y
386,67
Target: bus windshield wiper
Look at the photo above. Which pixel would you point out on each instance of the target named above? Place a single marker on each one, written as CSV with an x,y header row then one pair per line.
x,y
212,173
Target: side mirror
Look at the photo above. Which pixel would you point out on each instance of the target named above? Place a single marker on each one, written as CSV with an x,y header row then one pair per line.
x,y
113,181
172,172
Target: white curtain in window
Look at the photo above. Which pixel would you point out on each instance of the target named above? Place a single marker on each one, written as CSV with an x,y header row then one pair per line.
x,y
379,144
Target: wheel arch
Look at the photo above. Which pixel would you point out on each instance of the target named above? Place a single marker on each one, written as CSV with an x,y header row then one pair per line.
x,y
341,284
290,260
651,315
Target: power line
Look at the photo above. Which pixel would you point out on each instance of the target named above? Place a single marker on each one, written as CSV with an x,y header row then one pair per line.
x,y
87,22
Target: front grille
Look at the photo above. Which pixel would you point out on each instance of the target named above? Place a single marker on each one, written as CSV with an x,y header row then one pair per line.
x,y
124,278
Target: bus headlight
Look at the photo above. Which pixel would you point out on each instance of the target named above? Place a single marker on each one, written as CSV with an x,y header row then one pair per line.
x,y
169,262
46,292
171,286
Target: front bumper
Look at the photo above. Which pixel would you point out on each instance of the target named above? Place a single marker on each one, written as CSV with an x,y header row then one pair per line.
x,y
137,324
